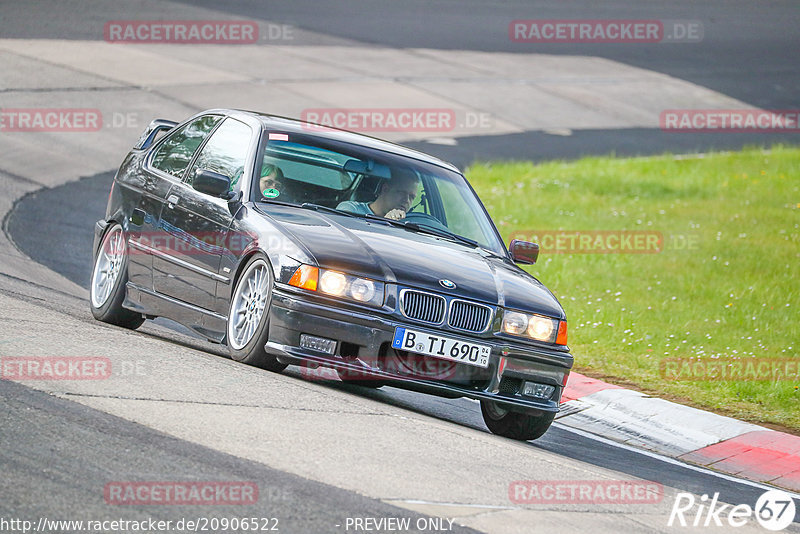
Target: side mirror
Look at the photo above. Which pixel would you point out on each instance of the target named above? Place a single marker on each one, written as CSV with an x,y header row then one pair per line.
x,y
211,183
523,252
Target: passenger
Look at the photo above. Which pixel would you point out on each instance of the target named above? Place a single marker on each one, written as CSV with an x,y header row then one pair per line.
x,y
394,199
271,181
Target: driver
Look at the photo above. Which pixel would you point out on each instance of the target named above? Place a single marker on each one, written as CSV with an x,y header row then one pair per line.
x,y
394,199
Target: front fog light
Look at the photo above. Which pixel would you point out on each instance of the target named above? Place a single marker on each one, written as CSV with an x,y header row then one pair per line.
x,y
362,289
332,282
538,391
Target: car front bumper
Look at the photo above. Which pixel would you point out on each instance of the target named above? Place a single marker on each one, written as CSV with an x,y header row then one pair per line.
x,y
363,347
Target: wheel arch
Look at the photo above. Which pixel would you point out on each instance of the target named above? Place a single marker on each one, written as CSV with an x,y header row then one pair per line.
x,y
243,261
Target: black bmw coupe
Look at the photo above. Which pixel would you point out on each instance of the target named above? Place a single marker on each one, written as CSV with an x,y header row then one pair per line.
x,y
292,243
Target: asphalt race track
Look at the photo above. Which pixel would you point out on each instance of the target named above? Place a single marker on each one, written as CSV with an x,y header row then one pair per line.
x,y
61,432
64,245
322,453
90,194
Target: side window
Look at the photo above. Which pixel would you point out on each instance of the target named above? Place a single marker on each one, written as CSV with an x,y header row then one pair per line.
x,y
225,152
174,155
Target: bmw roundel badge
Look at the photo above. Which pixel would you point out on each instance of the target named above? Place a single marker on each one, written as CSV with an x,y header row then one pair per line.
x,y
448,284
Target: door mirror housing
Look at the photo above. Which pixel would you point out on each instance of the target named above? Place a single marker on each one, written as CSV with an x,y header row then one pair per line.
x,y
212,183
523,252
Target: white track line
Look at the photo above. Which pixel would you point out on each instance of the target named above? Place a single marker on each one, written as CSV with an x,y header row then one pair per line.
x,y
673,461
453,504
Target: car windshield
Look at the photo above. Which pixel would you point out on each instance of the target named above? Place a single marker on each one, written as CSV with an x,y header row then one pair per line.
x,y
319,172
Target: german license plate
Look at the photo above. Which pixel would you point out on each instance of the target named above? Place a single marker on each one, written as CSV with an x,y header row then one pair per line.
x,y
441,347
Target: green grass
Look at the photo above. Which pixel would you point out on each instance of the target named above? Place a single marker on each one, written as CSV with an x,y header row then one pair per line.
x,y
735,293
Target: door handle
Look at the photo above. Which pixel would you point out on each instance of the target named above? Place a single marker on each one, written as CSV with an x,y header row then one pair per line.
x,y
172,200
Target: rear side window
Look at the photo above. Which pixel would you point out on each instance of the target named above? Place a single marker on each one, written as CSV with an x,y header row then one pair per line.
x,y
225,152
308,164
175,153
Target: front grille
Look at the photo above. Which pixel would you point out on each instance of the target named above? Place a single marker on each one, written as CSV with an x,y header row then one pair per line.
x,y
469,316
422,306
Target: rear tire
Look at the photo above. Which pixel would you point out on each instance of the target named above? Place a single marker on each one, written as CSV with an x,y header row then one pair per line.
x,y
109,276
248,316
514,425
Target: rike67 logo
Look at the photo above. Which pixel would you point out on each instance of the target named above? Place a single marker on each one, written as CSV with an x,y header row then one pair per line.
x,y
774,510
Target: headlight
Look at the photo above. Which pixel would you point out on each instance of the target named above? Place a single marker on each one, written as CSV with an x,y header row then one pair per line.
x,y
338,284
541,328
515,323
537,327
332,282
362,289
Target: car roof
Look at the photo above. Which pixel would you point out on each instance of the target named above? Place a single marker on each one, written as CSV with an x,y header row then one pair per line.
x,y
289,125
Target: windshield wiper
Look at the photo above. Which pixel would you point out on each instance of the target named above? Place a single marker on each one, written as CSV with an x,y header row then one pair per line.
x,y
424,228
373,217
416,227
369,216
273,201
320,207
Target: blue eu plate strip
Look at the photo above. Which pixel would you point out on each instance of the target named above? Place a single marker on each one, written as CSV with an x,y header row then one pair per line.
x,y
397,342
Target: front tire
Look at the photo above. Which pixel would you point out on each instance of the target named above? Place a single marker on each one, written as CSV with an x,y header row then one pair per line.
x,y
248,316
514,425
109,276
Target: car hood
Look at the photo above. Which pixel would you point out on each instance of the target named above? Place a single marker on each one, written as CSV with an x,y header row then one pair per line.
x,y
376,250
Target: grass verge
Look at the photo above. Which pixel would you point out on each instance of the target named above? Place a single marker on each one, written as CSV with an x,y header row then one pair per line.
x,y
714,283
